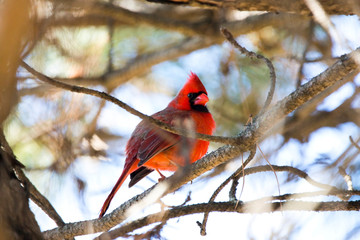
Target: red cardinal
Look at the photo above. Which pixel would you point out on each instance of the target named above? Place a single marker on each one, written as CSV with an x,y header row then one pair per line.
x,y
151,148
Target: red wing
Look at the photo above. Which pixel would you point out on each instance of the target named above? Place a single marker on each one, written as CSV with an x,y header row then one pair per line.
x,y
155,141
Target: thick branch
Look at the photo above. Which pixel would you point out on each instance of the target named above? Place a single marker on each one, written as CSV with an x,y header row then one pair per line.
x,y
39,199
338,7
254,207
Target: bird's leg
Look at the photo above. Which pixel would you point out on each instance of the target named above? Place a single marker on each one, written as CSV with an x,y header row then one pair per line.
x,y
162,178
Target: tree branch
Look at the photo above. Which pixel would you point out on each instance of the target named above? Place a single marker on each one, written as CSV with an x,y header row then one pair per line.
x,y
251,54
104,9
333,7
221,187
354,143
39,199
254,207
126,107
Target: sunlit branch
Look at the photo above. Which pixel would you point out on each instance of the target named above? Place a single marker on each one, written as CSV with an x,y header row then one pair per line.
x,y
289,169
254,207
342,194
347,178
248,171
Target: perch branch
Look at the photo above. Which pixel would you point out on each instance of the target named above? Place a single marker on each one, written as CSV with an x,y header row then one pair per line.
x,y
126,107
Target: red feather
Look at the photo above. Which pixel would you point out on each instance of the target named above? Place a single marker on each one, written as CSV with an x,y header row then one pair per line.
x,y
151,148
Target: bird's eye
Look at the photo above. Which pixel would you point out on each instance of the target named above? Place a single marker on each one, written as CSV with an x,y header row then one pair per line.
x,y
191,95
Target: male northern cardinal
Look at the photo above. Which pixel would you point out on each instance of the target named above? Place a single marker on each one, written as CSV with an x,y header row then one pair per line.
x,y
151,148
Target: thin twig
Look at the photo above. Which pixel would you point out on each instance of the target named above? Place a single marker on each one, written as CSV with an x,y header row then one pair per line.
x,y
290,169
273,170
103,95
347,178
236,175
251,54
343,155
354,143
218,190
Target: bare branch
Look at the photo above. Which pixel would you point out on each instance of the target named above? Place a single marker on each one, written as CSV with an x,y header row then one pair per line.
x,y
255,207
251,54
295,6
289,169
233,177
341,159
354,143
347,178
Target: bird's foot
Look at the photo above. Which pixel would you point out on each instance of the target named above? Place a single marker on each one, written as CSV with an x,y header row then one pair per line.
x,y
162,177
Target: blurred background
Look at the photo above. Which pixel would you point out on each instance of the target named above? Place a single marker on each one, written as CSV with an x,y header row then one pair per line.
x,y
140,52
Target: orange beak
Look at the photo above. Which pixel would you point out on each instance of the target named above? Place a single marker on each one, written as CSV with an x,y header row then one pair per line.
x,y
202,99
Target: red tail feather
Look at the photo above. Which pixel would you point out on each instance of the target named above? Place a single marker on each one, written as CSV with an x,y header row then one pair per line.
x,y
118,184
